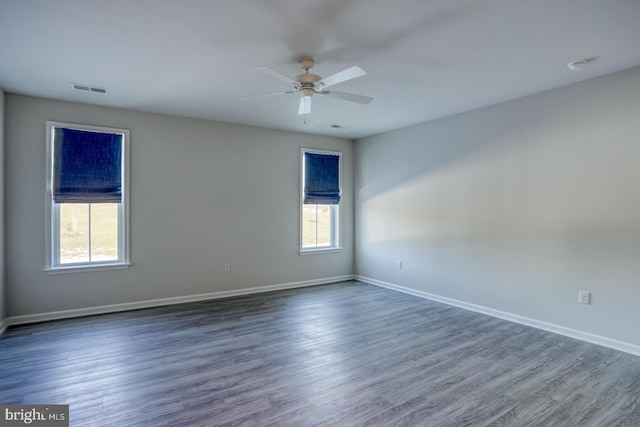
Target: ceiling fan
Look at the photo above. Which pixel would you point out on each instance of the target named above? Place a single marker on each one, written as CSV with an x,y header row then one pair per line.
x,y
308,84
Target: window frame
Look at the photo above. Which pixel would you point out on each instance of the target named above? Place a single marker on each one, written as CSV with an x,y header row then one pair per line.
x,y
52,210
335,212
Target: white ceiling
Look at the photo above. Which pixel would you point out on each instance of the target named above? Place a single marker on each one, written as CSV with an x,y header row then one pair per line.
x,y
425,59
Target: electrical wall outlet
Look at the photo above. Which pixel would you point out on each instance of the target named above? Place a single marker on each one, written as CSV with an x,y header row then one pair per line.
x,y
399,264
227,268
584,297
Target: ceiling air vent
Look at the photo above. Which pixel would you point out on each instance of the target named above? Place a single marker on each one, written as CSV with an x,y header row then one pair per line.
x,y
88,88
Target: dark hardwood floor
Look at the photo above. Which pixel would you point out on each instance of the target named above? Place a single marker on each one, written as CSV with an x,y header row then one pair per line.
x,y
346,354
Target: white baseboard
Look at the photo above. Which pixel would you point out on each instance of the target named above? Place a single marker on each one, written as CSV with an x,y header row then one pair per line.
x,y
550,327
103,309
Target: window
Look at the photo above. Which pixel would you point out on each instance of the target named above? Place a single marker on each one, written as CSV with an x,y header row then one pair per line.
x,y
87,197
320,201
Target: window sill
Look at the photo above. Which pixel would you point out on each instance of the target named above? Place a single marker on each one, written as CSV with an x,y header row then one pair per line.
x,y
319,250
86,268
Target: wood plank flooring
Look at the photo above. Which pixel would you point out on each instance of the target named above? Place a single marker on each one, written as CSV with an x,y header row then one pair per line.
x,y
346,354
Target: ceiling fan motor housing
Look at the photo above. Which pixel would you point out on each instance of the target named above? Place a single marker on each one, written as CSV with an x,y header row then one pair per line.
x,y
307,83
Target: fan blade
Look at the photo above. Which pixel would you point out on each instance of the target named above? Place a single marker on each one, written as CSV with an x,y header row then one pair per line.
x,y
262,95
277,74
342,76
360,99
305,105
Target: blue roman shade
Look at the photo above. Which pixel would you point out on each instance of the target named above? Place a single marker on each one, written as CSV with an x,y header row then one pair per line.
x,y
87,166
321,179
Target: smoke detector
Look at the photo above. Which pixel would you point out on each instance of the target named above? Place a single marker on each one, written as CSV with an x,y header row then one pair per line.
x,y
580,63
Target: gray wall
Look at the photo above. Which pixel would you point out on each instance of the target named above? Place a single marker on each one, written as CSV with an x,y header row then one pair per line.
x,y
202,194
2,244
514,207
